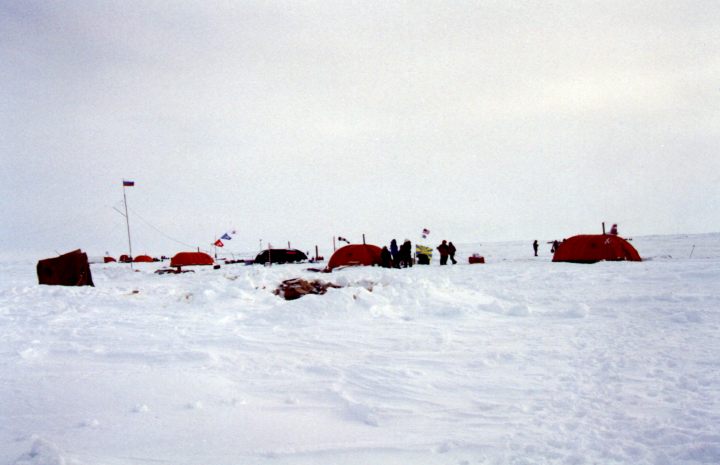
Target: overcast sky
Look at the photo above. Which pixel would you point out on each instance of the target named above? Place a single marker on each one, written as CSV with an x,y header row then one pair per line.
x,y
300,121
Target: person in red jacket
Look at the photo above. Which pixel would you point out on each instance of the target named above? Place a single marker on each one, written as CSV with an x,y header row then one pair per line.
x,y
444,252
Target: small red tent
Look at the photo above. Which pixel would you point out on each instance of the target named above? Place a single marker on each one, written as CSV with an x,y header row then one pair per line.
x,y
191,258
109,259
591,248
143,259
355,255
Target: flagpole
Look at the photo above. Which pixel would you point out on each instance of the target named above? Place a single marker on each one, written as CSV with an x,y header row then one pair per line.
x,y
127,222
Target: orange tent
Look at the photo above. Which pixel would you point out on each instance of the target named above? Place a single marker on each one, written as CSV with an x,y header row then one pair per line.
x,y
191,258
355,255
143,259
591,248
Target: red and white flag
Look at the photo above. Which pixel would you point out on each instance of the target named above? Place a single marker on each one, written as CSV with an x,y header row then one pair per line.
x,y
218,243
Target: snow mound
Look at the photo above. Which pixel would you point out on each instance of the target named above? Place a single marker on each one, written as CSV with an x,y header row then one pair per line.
x,y
519,360
43,452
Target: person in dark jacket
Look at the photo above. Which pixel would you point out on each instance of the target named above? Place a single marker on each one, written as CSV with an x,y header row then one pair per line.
x,y
394,253
385,258
555,246
451,252
535,247
444,252
405,254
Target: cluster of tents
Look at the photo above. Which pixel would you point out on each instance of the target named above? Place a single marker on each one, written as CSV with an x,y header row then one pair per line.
x,y
73,269
127,259
349,255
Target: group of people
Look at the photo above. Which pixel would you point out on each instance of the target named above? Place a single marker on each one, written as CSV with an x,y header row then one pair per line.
x,y
397,257
401,257
447,250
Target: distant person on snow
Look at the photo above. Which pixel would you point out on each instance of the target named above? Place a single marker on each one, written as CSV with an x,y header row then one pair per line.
x,y
444,252
451,252
613,230
555,245
535,247
394,253
385,258
405,254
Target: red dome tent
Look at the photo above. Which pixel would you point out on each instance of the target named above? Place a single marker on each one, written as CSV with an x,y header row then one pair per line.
x,y
143,259
355,255
591,248
191,258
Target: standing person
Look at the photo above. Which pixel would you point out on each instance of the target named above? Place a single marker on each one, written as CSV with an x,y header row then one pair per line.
x,y
385,258
394,253
451,252
406,254
555,245
535,247
444,252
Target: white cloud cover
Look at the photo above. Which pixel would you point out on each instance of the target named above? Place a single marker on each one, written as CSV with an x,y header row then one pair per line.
x,y
303,120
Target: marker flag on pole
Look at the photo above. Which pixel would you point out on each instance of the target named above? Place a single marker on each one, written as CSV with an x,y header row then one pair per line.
x,y
218,243
128,183
226,237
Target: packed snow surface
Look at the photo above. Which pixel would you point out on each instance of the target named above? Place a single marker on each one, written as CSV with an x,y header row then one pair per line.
x,y
517,361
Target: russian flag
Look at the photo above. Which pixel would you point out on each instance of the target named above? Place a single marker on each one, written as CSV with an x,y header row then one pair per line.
x,y
128,183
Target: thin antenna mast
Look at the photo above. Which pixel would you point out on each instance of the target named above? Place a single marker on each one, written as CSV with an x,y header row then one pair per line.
x,y
127,222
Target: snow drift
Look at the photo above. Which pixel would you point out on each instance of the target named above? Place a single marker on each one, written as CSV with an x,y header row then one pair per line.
x,y
517,361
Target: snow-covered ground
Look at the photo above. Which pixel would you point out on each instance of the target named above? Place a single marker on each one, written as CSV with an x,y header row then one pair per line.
x,y
517,361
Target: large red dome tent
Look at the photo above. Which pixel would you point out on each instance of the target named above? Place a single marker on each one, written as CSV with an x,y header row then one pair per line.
x,y
191,258
355,255
592,248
